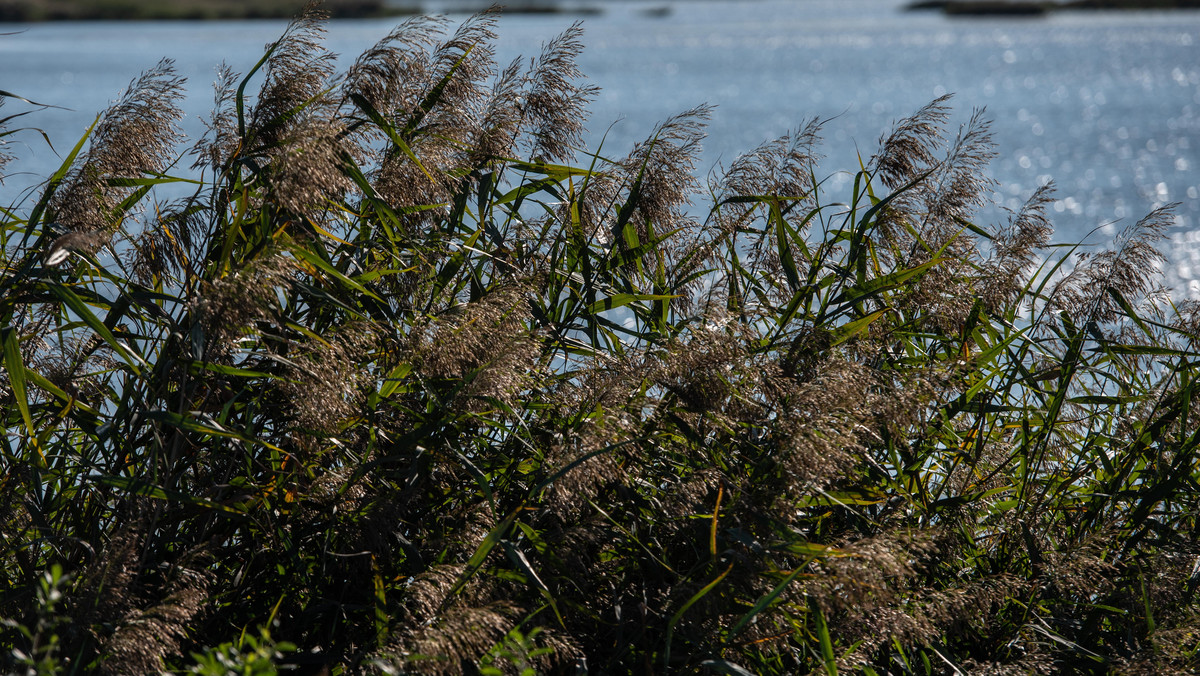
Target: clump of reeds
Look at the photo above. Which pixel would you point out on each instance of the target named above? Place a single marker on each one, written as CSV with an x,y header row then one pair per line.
x,y
412,383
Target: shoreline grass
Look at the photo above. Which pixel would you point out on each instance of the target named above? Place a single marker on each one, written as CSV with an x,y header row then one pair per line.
x,y
412,383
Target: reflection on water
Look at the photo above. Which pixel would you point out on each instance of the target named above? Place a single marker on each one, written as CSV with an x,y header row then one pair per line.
x,y
1106,104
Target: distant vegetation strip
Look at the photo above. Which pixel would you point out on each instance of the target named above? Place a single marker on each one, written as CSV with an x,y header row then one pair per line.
x,y
80,10
1034,7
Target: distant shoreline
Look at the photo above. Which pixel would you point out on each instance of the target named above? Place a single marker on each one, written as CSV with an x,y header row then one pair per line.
x,y
1033,8
29,11
36,11
25,11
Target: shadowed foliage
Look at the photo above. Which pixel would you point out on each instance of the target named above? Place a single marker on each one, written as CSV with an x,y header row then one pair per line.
x,y
408,382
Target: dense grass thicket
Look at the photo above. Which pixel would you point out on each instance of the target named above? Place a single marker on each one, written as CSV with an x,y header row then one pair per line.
x,y
410,383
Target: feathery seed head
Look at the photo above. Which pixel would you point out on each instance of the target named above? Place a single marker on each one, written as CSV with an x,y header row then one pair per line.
x,y
134,137
227,308
325,381
908,150
555,106
220,142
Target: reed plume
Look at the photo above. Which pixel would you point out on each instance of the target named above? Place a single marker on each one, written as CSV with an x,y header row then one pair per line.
x,y
134,137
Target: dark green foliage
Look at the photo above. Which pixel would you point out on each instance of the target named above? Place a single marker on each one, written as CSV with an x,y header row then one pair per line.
x,y
380,396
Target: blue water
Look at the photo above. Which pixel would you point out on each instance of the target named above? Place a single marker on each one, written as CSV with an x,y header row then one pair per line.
x,y
1106,104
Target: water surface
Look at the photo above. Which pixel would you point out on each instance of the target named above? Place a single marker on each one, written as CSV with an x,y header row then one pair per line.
x,y
1107,104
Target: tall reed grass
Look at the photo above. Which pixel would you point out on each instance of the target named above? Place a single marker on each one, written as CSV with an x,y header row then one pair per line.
x,y
410,383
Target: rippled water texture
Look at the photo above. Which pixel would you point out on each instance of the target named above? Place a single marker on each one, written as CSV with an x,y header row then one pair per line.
x,y
1107,104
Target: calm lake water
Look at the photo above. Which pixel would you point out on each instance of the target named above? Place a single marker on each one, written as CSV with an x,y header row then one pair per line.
x,y
1107,104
